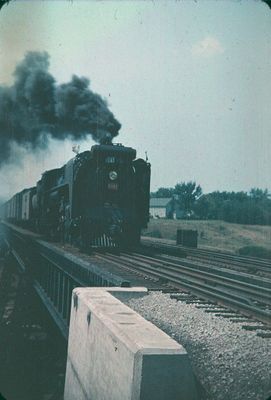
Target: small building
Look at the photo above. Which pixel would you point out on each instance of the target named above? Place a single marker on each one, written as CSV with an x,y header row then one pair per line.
x,y
168,207
161,207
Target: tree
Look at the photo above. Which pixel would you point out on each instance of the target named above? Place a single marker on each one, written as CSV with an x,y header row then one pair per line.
x,y
258,194
187,194
163,192
206,207
237,207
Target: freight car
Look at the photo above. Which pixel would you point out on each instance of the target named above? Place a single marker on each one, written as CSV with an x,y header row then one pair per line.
x,y
99,198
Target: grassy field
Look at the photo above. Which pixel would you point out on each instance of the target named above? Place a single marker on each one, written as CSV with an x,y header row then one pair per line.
x,y
214,234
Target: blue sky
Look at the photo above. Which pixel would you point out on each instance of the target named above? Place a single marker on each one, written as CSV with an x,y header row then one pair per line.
x,y
190,81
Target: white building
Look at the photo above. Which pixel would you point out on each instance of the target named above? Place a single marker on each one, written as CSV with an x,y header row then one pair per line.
x,y
161,207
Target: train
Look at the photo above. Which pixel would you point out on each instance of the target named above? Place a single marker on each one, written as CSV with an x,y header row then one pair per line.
x,y
100,198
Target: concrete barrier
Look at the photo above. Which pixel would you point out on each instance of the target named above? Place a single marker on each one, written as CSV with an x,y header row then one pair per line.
x,y
115,354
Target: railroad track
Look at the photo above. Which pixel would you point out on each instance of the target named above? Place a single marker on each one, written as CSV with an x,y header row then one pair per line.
x,y
242,292
252,265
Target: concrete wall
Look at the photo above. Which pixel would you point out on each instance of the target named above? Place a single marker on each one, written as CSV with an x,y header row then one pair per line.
x,y
115,354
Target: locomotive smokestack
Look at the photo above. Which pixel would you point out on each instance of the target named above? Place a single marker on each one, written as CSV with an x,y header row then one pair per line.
x,y
106,139
35,107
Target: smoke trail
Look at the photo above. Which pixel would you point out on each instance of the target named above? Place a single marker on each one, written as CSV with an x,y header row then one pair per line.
x,y
2,3
35,107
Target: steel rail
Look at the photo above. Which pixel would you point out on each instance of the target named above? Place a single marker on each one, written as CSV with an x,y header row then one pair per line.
x,y
217,253
179,271
224,272
248,263
233,262
241,299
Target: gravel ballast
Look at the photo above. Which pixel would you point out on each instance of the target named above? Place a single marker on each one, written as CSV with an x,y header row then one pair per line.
x,y
229,362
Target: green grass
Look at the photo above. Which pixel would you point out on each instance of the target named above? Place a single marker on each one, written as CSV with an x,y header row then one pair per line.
x,y
214,234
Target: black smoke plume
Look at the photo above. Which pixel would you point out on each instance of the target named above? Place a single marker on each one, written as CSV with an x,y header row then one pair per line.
x,y
2,3
35,107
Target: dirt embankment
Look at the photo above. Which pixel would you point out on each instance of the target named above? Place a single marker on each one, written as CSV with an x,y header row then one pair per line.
x,y
214,234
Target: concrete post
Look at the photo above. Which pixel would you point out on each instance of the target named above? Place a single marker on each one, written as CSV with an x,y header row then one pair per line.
x,y
115,354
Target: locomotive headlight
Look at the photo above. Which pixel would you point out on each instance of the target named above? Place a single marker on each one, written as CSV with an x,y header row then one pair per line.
x,y
113,175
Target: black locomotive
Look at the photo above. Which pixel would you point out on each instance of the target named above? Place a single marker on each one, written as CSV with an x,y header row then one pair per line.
x,y
99,198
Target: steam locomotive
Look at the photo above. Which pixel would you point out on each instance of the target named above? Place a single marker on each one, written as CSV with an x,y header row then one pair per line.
x,y
99,198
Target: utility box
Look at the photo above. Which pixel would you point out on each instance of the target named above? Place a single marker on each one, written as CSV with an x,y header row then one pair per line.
x,y
187,237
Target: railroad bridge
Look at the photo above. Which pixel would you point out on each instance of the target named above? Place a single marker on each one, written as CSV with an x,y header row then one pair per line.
x,y
113,352
55,271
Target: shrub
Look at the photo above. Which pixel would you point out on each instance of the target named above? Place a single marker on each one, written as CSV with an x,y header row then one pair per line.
x,y
255,251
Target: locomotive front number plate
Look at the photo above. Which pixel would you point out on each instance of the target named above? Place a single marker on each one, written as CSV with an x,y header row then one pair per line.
x,y
112,186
